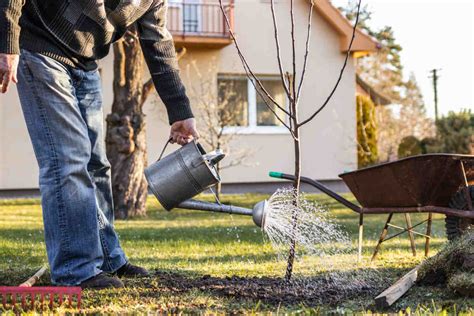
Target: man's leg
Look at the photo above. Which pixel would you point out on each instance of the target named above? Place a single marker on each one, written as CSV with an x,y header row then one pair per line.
x,y
63,150
89,96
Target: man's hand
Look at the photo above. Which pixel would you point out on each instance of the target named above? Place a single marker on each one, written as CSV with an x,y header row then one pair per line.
x,y
182,132
8,68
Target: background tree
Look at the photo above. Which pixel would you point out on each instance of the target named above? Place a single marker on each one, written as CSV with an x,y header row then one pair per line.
x,y
126,133
218,107
126,142
455,133
367,153
383,71
400,121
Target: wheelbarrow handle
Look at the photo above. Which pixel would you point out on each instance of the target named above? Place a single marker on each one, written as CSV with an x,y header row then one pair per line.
x,y
320,187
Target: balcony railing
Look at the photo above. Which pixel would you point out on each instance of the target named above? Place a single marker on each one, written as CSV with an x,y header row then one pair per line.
x,y
199,23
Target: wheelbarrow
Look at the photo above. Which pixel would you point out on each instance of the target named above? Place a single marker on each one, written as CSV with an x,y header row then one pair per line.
x,y
433,183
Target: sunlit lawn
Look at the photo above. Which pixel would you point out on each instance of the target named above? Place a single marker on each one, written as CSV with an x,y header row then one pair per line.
x,y
198,243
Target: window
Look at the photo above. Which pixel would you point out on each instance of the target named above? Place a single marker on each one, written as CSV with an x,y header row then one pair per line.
x,y
191,17
233,101
243,107
184,16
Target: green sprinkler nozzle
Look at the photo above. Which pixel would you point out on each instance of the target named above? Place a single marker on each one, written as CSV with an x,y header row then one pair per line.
x,y
275,174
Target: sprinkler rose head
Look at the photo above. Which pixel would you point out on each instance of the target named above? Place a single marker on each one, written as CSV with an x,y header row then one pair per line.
x,y
259,214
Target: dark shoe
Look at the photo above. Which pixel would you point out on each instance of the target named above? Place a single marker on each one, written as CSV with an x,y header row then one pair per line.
x,y
101,281
131,271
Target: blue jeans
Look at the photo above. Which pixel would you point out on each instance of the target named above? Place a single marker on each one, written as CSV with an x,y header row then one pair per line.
x,y
62,107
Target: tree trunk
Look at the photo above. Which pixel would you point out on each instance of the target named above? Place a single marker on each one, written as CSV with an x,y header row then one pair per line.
x,y
297,182
126,136
296,187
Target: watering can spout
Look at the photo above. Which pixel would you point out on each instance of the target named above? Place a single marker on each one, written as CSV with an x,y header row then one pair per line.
x,y
257,213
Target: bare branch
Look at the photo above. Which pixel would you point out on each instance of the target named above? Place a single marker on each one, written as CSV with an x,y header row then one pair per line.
x,y
146,90
180,52
277,43
306,53
293,49
248,70
340,73
288,78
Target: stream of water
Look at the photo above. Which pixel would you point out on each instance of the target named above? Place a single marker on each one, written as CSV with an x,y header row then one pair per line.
x,y
316,233
320,241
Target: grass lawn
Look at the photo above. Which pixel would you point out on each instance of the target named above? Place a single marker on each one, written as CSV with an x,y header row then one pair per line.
x,y
193,244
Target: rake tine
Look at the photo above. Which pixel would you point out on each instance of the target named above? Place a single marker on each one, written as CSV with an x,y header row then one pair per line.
x,y
51,300
79,300
60,299
33,296
69,299
42,299
4,300
23,300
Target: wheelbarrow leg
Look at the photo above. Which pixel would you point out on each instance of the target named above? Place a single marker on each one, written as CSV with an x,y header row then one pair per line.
x,y
428,234
410,234
382,237
361,236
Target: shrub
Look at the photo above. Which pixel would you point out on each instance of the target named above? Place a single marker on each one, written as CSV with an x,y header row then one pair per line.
x,y
367,153
409,146
455,132
430,145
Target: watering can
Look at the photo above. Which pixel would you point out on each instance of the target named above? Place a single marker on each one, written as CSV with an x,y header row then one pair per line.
x,y
185,173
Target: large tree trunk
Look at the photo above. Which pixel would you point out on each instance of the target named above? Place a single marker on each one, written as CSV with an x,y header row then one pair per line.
x,y
126,141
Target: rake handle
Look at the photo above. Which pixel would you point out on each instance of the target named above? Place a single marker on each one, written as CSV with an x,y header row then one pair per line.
x,y
31,281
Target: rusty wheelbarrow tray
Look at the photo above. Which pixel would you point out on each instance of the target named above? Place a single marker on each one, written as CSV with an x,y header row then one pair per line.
x,y
425,183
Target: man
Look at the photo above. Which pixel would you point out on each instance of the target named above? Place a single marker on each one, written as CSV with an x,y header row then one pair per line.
x,y
50,48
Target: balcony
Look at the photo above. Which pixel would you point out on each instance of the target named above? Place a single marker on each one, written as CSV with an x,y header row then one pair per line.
x,y
201,25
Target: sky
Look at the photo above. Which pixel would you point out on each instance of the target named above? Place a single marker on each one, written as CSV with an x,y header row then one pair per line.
x,y
433,34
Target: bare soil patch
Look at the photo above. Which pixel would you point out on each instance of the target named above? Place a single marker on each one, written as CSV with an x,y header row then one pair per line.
x,y
273,291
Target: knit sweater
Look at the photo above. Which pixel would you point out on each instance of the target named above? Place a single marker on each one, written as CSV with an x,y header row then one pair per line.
x,y
80,32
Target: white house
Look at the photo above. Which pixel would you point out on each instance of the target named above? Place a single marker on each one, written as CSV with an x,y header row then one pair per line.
x,y
328,142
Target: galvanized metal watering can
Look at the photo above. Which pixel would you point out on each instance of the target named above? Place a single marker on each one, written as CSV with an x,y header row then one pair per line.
x,y
185,173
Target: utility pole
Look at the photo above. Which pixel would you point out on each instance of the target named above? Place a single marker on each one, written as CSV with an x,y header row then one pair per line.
x,y
435,77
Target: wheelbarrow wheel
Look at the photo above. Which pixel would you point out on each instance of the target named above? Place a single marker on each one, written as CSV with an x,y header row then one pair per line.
x,y
456,226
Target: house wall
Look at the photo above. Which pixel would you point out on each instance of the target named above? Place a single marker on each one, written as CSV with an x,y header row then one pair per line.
x,y
328,142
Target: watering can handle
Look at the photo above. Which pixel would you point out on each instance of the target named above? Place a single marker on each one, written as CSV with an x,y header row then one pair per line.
x,y
201,149
164,148
199,146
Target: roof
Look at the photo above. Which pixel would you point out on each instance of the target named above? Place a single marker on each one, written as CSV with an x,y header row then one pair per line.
x,y
363,43
378,98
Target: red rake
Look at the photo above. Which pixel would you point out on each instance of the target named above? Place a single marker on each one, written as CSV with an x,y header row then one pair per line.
x,y
27,294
